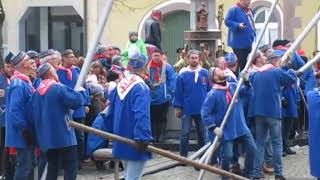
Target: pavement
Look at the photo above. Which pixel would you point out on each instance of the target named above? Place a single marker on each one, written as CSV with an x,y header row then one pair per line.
x,y
296,167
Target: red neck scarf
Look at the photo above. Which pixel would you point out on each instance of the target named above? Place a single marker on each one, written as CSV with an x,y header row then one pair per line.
x,y
45,85
67,70
157,67
245,9
224,88
23,77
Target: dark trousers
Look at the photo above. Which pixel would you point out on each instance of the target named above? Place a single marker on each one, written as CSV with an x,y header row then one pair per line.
x,y
287,126
68,157
80,140
159,120
242,55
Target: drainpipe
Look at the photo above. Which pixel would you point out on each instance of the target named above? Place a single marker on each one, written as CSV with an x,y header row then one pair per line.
x,y
85,28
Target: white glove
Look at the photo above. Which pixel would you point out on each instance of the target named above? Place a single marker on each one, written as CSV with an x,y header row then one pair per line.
x,y
218,132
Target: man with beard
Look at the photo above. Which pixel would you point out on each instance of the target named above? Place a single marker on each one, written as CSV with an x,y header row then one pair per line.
x,y
134,46
213,110
191,89
18,128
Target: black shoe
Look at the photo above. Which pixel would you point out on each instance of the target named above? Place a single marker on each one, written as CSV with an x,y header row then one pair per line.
x,y
284,154
280,177
289,151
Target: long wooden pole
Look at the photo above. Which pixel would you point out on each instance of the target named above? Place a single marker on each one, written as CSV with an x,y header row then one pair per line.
x,y
236,93
155,150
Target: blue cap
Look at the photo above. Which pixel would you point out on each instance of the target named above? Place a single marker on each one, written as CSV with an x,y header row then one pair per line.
x,y
8,58
33,54
137,61
231,59
46,53
43,69
273,56
18,58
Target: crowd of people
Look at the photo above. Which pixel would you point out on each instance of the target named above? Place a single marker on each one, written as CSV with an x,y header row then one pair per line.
x,y
128,92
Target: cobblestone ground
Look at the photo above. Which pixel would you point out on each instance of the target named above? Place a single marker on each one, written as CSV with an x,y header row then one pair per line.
x,y
295,167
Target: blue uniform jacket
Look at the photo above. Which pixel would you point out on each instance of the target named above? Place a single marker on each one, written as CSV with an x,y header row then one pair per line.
x,y
164,92
51,113
314,131
16,118
63,78
36,82
132,120
239,38
215,107
190,95
3,85
266,101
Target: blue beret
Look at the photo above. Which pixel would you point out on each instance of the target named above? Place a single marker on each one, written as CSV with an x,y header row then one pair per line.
x,y
8,58
137,61
231,59
32,54
18,58
101,49
273,56
43,69
46,53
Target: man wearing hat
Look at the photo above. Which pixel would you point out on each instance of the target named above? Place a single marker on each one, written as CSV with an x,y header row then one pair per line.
x,y
265,108
191,89
135,45
213,110
241,30
153,29
68,75
34,55
18,129
130,116
162,81
51,104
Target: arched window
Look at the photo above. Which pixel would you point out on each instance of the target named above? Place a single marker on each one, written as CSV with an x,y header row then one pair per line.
x,y
272,32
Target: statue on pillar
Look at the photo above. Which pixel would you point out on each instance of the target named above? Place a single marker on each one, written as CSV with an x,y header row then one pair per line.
x,y
220,15
205,56
203,17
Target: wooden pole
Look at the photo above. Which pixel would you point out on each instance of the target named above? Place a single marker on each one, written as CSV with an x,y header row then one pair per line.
x,y
155,150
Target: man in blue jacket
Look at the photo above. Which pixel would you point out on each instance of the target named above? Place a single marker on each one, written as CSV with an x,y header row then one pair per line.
x,y
266,110
18,129
191,90
242,32
161,82
130,105
68,75
51,104
213,111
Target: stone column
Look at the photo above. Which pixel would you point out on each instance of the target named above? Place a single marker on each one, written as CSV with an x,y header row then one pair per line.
x,y
44,37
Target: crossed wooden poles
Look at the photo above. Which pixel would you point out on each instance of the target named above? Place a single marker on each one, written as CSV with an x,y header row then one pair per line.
x,y
208,149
